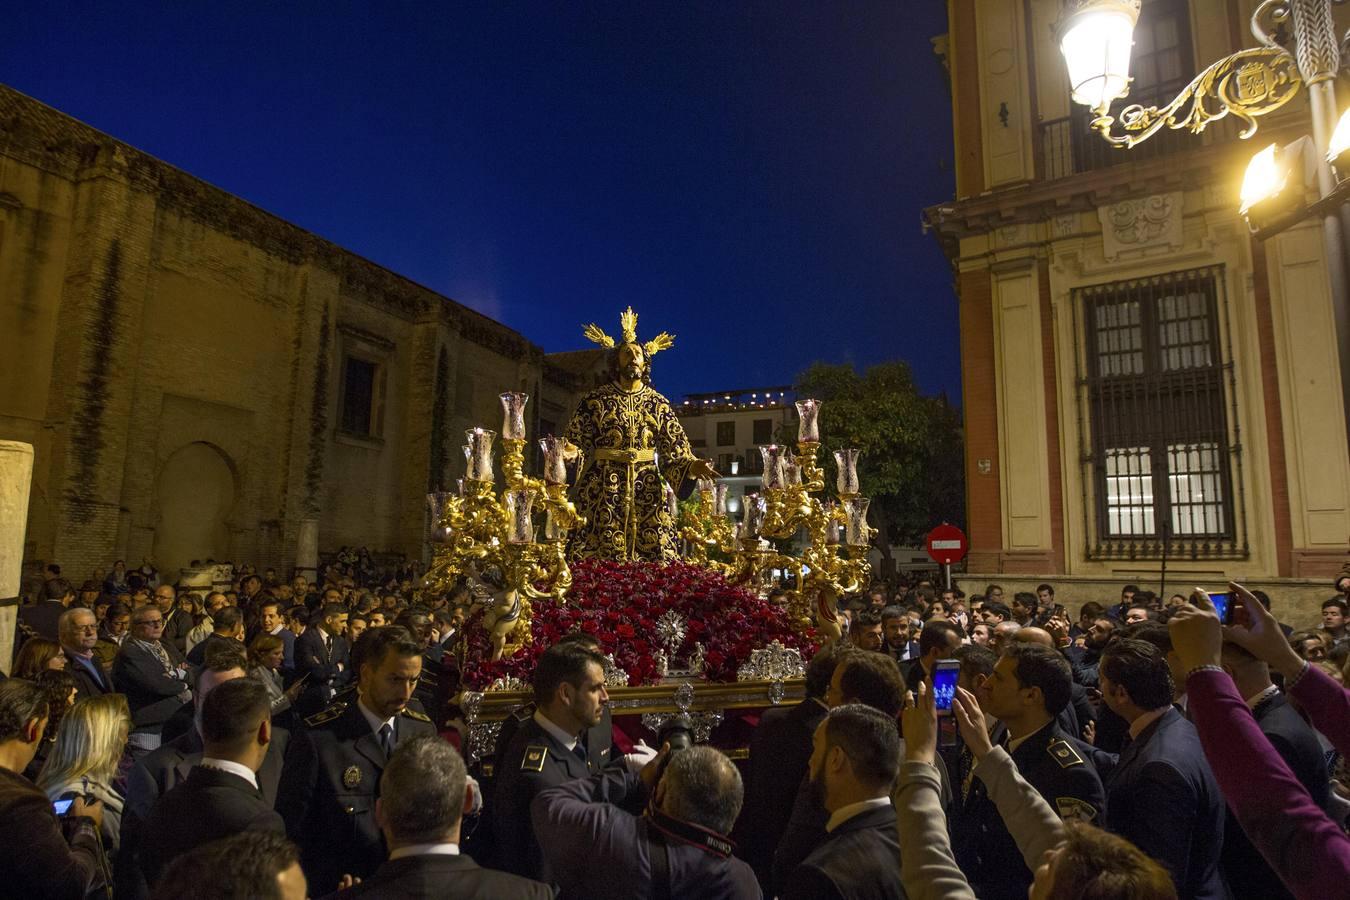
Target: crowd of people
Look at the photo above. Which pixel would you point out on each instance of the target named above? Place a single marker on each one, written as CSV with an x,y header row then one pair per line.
x,y
282,739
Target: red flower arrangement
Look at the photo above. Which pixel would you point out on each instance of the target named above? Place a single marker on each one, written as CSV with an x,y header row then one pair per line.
x,y
621,603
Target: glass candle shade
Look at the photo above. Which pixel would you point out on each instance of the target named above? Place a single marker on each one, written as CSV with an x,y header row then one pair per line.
x,y
847,460
672,501
808,426
705,485
479,452
437,502
792,470
856,532
513,415
520,525
720,499
555,460
753,519
552,530
773,466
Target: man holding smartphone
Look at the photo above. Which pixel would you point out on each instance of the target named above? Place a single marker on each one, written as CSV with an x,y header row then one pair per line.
x,y
40,855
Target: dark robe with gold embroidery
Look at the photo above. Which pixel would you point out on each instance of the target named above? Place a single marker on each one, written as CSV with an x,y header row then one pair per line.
x,y
631,444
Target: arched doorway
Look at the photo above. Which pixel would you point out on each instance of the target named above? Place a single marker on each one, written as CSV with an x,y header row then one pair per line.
x,y
194,494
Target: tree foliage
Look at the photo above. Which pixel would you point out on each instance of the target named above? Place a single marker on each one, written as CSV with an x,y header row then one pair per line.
x,y
911,458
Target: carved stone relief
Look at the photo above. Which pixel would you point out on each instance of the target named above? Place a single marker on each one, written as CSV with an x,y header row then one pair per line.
x,y
1153,221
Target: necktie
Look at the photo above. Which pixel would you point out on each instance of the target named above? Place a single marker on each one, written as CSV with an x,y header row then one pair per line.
x,y
579,750
328,645
387,739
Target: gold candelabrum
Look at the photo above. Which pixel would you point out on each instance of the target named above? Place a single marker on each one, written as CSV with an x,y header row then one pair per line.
x,y
490,537
829,565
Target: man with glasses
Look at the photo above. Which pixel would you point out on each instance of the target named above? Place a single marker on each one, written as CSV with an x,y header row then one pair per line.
x,y
154,684
78,631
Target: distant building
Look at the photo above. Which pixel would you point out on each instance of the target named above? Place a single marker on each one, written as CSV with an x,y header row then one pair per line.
x,y
1142,380
729,427
200,378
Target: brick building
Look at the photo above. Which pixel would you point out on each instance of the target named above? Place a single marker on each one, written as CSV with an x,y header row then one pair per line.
x,y
1141,377
200,378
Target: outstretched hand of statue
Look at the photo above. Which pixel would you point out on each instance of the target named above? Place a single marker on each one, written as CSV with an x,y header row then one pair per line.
x,y
702,468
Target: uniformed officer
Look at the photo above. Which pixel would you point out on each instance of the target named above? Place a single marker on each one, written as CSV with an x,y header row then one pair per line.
x,y
332,772
547,750
1028,688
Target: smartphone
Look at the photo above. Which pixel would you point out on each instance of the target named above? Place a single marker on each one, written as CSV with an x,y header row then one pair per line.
x,y
1223,605
62,807
944,685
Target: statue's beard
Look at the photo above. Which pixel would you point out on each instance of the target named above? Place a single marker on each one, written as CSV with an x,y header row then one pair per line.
x,y
633,372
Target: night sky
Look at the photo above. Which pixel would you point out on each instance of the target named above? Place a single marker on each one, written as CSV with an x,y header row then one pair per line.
x,y
747,176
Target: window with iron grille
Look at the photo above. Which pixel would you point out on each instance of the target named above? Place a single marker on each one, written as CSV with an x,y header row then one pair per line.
x,y
1161,465
726,434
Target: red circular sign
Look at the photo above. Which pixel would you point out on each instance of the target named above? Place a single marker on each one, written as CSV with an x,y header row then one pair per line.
x,y
946,544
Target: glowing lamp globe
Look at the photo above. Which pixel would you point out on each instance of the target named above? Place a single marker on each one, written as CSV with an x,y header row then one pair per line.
x,y
1095,38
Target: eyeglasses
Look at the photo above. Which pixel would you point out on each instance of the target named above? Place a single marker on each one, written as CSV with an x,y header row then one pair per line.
x,y
153,623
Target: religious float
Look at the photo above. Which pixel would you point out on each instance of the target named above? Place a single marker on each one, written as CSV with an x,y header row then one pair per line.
x,y
676,596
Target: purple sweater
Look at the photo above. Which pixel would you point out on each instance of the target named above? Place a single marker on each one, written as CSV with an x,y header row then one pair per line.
x,y
1304,847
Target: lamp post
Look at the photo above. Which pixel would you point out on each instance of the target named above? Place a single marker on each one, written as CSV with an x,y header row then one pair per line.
x,y
1298,46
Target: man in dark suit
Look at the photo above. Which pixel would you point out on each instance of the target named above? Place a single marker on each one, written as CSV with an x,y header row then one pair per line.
x,y
1247,872
157,773
547,750
423,799
780,754
1029,685
1161,796
220,796
938,640
597,845
322,654
331,777
40,619
177,621
855,757
146,672
227,631
895,629
79,636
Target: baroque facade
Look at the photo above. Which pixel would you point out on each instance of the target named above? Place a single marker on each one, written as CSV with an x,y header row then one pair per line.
x,y
200,378
1145,384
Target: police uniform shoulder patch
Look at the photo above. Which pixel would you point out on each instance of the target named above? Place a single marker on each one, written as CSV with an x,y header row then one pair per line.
x,y
326,715
533,760
1064,754
1071,809
414,714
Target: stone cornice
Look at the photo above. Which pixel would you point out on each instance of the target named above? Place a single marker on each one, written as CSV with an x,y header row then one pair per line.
x,y
47,139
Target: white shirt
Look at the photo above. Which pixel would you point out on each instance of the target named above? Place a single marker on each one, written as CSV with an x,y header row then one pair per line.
x,y
1147,719
446,849
1254,701
374,721
1014,743
234,768
844,813
567,740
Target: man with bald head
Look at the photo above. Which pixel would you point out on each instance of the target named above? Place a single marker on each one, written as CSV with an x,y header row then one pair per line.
x,y
1001,637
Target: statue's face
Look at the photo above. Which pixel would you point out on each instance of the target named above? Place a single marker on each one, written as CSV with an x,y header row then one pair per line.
x,y
632,361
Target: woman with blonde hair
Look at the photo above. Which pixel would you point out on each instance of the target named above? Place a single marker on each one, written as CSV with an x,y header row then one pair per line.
x,y
265,656
84,759
37,655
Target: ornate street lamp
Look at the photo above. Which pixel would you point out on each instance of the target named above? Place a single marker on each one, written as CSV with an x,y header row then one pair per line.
x,y
1298,47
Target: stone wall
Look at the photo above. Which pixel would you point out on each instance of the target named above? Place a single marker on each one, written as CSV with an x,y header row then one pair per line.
x,y
152,324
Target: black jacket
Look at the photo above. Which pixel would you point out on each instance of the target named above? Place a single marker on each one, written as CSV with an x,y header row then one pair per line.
x,y
534,761
36,858
780,754
328,788
1163,798
436,877
984,849
38,620
860,860
597,847
177,624
208,805
1247,872
327,672
86,685
152,693
197,655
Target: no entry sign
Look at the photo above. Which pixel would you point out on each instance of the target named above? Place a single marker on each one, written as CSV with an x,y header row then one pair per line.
x,y
946,544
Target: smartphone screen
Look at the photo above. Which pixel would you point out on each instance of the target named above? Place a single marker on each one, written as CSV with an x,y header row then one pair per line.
x,y
1222,603
944,685
62,806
